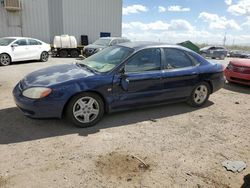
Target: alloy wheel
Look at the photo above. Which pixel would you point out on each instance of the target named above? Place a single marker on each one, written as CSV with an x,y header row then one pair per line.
x,y
200,94
44,56
5,59
86,109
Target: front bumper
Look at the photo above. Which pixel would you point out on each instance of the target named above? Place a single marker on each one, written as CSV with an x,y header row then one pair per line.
x,y
40,108
237,77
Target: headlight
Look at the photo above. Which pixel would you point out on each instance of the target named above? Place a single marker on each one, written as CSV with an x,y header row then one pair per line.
x,y
98,49
37,92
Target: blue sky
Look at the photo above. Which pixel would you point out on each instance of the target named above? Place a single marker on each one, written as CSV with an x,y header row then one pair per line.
x,y
202,21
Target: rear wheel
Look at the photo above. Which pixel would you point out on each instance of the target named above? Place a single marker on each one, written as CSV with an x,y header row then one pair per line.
x,y
222,56
44,57
85,109
74,53
63,53
200,95
5,59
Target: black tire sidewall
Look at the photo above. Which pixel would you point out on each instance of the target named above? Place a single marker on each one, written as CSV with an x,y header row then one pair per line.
x,y
74,53
191,98
69,109
63,53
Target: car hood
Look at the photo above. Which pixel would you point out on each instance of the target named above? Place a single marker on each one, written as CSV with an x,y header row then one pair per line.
x,y
55,75
241,62
95,46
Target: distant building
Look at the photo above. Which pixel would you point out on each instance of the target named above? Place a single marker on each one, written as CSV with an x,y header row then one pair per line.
x,y
43,19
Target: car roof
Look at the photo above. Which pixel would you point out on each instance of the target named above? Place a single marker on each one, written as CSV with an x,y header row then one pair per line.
x,y
146,44
16,38
112,38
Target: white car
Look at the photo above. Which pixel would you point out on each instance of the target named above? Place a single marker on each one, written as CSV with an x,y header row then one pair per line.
x,y
13,49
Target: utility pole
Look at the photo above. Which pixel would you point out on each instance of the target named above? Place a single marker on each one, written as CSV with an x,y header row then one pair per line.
x,y
225,39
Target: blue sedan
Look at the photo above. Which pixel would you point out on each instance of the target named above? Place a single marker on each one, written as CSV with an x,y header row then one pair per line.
x,y
121,77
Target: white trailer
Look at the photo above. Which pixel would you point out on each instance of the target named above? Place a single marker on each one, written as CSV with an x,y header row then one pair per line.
x,y
65,46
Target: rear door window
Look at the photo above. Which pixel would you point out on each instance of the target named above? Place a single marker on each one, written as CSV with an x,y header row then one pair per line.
x,y
175,59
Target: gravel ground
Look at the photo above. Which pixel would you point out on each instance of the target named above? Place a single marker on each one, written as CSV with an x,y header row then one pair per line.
x,y
181,146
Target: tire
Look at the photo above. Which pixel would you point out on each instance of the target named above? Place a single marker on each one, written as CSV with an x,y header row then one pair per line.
x,y
44,57
63,53
222,56
5,59
85,109
200,94
74,53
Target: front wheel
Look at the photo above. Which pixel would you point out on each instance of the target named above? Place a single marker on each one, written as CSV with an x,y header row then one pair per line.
x,y
200,95
85,109
5,59
44,57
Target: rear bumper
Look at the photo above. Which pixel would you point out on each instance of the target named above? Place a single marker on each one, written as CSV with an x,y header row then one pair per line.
x,y
217,81
237,77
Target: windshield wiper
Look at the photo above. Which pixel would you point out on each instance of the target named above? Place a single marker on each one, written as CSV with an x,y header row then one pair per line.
x,y
87,67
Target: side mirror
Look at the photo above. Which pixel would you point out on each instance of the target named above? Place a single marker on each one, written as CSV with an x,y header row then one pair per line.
x,y
122,72
14,45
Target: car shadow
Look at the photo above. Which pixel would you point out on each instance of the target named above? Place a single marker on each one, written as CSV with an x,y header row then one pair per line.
x,y
14,127
237,88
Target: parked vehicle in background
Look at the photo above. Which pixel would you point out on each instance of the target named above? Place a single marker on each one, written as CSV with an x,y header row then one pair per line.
x,y
13,49
102,43
239,54
238,71
65,46
121,77
214,52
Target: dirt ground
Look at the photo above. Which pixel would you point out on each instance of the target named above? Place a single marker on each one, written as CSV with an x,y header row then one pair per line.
x,y
181,146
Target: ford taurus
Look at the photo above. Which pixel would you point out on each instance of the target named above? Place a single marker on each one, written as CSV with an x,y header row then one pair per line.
x,y
120,77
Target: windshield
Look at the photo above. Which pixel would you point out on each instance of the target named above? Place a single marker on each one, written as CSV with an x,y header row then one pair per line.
x,y
102,42
6,41
107,59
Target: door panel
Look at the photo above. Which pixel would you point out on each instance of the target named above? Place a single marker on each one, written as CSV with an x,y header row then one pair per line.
x,y
138,88
35,49
142,81
21,51
179,83
180,74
